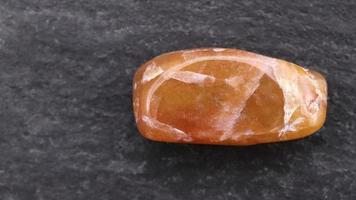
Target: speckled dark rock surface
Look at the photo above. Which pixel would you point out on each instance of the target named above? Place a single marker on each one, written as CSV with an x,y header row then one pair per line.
x,y
66,126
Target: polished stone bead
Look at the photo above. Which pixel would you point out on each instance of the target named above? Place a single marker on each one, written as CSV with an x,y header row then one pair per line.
x,y
226,96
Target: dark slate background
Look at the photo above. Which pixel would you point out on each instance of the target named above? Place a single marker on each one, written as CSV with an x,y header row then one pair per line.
x,y
66,125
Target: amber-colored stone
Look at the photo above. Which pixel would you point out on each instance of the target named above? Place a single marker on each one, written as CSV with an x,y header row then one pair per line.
x,y
226,96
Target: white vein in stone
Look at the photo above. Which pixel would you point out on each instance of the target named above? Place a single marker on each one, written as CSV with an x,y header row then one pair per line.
x,y
151,72
153,123
192,77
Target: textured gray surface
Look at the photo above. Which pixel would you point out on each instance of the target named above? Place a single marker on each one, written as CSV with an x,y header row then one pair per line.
x,y
66,126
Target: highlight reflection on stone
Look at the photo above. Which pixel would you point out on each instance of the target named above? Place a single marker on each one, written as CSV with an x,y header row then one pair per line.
x,y
226,96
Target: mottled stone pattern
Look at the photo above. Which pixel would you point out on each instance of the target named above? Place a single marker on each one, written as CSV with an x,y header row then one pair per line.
x,y
66,126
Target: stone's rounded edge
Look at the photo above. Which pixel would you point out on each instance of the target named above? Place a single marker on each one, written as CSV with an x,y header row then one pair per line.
x,y
145,128
138,85
321,80
322,85
319,84
135,98
155,134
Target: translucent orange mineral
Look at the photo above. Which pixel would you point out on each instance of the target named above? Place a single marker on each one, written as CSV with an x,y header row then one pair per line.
x,y
226,96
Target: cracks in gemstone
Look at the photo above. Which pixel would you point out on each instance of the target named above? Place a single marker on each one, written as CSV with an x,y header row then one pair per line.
x,y
286,81
288,112
314,105
155,105
266,66
290,127
306,96
151,72
234,81
218,49
238,135
227,120
192,77
216,106
153,123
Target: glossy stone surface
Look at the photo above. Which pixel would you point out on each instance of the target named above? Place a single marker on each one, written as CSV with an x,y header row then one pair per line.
x,y
226,96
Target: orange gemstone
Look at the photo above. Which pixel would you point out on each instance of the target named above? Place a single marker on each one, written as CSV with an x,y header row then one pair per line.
x,y
226,96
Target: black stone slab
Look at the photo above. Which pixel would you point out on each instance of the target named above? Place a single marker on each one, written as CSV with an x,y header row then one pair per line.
x,y
66,125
